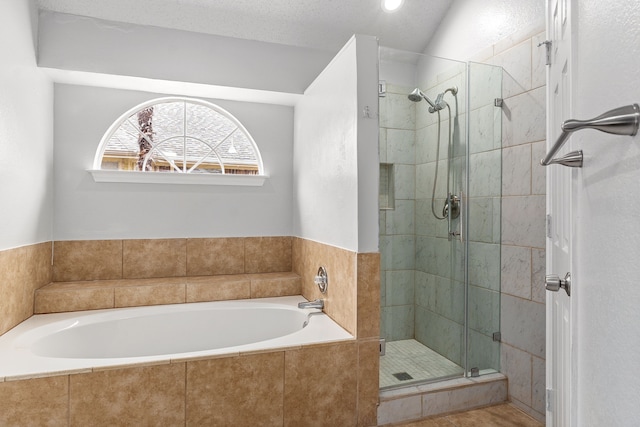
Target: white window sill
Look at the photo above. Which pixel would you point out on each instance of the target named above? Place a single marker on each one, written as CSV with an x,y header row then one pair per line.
x,y
135,177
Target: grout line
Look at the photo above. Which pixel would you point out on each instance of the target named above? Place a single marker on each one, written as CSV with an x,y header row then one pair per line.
x,y
244,255
185,393
68,400
121,259
284,384
357,411
531,47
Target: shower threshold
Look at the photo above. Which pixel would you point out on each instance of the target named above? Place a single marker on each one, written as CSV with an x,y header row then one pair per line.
x,y
437,385
415,402
408,362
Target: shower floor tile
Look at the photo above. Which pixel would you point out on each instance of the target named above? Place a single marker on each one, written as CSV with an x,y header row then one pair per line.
x,y
409,357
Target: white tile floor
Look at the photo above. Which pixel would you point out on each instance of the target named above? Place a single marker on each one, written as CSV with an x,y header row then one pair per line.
x,y
417,360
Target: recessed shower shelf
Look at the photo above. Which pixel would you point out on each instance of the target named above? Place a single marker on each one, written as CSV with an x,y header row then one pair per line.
x,y
387,194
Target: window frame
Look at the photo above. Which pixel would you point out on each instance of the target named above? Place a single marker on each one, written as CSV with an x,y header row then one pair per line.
x,y
154,177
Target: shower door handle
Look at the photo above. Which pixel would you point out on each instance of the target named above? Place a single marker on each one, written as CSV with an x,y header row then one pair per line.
x,y
553,283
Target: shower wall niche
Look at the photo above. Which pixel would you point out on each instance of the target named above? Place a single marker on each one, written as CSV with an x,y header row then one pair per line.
x,y
440,278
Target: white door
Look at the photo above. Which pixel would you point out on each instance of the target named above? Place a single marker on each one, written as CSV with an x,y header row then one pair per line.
x,y
593,336
560,196
606,218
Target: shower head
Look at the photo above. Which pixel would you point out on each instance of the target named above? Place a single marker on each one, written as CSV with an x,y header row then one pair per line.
x,y
417,95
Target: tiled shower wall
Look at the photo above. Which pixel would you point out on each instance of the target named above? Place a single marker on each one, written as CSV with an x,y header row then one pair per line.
x,y
397,228
523,212
439,287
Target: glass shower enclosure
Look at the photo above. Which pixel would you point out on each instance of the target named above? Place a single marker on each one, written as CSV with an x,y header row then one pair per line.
x,y
440,198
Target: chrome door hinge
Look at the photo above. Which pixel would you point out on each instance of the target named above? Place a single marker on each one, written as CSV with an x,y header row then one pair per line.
x,y
497,336
549,399
548,226
547,46
383,346
382,88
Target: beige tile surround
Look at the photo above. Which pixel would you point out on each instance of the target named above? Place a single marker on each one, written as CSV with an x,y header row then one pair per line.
x,y
297,387
353,301
84,260
22,271
96,274
278,387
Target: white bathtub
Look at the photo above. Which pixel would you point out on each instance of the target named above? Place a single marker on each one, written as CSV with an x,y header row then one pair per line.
x,y
77,342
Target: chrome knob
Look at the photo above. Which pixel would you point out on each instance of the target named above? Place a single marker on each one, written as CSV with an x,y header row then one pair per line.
x,y
553,283
322,279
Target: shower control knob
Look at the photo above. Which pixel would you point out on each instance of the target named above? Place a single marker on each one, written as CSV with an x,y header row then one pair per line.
x,y
553,283
322,279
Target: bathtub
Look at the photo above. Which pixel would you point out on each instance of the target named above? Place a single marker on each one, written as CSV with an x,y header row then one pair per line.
x,y
62,343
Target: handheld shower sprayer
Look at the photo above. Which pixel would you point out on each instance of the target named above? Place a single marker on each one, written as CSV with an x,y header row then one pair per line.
x,y
451,208
440,102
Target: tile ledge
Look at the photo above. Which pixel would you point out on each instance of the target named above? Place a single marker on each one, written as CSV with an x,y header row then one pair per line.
x,y
450,384
123,283
111,285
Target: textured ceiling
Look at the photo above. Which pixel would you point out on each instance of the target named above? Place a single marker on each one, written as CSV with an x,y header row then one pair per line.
x,y
320,24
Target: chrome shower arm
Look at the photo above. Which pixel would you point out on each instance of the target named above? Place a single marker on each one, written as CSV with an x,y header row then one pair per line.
x,y
619,121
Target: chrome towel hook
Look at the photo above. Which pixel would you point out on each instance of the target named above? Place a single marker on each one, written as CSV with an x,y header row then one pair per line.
x,y
619,121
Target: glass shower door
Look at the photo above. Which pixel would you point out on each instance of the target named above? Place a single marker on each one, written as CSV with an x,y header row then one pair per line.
x,y
422,296
484,184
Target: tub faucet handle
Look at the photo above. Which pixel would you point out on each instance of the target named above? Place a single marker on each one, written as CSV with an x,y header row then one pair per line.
x,y
322,279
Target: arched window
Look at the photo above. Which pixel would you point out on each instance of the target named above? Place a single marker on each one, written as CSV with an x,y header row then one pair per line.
x,y
180,136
